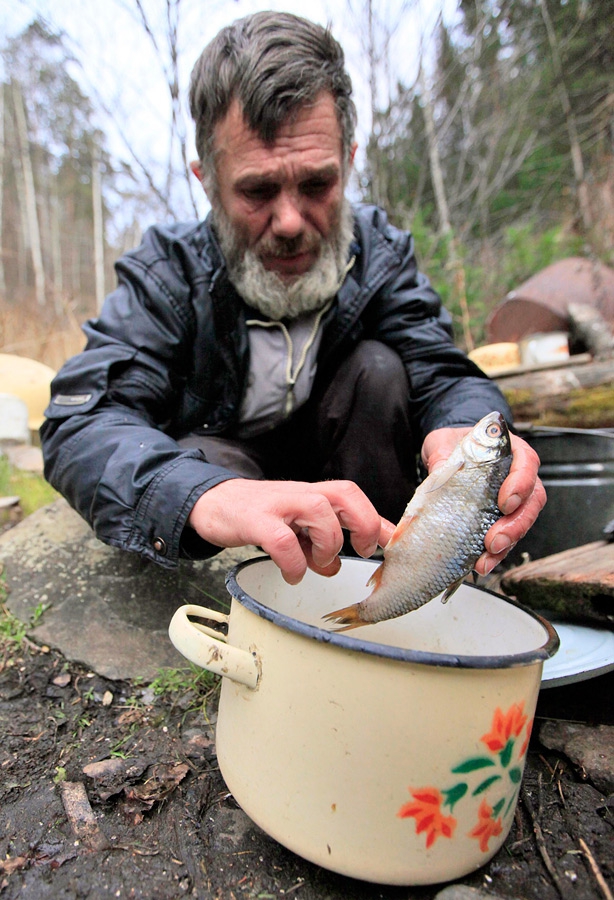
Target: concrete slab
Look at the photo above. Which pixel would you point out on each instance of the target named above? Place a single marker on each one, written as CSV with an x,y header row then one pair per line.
x,y
25,457
105,608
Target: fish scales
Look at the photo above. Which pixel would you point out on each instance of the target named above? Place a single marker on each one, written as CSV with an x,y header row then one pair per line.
x,y
441,534
445,544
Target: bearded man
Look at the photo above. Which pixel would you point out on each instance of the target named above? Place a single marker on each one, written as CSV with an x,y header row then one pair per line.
x,y
271,375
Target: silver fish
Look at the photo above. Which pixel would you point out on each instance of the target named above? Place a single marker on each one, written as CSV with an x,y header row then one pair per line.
x,y
441,533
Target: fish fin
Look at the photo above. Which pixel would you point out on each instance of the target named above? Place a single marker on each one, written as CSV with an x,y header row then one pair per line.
x,y
346,618
376,579
441,476
451,589
397,534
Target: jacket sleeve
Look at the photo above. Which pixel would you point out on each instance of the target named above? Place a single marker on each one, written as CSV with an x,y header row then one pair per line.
x,y
446,388
103,441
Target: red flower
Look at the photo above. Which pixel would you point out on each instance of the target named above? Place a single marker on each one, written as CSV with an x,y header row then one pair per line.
x,y
426,809
487,827
504,726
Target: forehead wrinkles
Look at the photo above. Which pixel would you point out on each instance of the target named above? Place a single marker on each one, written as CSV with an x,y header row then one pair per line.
x,y
311,140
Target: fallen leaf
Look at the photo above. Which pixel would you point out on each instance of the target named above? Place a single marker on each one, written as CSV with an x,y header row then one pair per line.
x,y
8,866
162,779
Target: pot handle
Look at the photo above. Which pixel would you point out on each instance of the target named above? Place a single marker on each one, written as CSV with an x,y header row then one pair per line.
x,y
209,648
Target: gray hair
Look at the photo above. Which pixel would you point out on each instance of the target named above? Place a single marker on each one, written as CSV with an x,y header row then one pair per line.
x,y
272,63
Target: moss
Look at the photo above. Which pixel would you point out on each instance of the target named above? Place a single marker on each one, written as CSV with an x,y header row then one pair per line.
x,y
32,489
582,408
564,602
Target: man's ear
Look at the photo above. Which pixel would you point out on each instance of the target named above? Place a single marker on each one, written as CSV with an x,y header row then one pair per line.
x,y
352,154
196,168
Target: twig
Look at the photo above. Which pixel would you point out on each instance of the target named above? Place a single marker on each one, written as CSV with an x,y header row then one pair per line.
x,y
541,844
607,893
81,816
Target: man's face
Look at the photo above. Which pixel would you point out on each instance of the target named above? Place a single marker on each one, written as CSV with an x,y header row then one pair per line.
x,y
282,200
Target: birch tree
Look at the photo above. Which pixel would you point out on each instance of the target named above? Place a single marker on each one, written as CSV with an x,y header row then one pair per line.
x,y
29,199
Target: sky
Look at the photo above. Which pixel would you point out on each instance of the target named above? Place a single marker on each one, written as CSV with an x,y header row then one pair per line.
x,y
117,62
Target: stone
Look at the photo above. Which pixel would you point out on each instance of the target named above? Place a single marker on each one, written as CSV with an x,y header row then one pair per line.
x,y
590,748
104,607
464,892
25,457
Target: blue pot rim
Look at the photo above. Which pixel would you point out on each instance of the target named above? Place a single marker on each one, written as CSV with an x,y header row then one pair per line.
x,y
371,648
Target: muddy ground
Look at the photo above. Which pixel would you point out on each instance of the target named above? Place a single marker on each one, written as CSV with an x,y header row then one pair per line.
x,y
151,817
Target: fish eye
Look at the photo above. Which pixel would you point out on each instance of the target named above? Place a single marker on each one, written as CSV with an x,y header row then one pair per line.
x,y
493,430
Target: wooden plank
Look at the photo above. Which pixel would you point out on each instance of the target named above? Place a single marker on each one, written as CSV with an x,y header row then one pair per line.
x,y
589,564
575,584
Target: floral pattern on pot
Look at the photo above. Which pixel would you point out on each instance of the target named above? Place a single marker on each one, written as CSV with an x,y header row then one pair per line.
x,y
497,773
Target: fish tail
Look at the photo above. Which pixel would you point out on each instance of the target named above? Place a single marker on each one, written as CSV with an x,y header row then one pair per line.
x,y
346,618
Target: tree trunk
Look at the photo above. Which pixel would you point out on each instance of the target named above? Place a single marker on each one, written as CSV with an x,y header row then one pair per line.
x,y
442,207
572,131
2,132
56,253
578,395
34,237
98,228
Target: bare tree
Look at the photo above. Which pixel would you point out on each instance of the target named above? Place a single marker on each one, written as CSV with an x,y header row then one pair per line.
x,y
377,25
2,156
97,211
31,215
169,64
570,119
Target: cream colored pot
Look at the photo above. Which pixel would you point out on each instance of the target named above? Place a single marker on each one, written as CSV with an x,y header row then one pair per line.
x,y
392,753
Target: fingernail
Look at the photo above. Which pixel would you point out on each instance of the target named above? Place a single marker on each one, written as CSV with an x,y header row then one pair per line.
x,y
500,543
511,505
489,566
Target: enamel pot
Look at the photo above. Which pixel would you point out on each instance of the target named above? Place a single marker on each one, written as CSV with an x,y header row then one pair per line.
x,y
391,753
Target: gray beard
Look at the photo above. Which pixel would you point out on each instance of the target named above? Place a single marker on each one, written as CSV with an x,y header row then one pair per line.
x,y
265,291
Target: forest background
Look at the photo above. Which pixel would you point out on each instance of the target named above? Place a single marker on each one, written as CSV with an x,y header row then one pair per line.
x,y
496,151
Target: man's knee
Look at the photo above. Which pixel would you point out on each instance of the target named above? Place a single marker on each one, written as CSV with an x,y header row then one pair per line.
x,y
380,371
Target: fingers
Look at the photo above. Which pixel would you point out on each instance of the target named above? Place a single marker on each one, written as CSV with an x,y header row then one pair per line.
x,y
521,499
356,513
520,483
298,524
439,444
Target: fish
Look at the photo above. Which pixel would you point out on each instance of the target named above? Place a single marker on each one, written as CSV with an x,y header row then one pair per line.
x,y
441,533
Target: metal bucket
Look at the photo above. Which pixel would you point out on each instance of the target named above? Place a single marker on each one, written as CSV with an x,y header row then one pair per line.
x,y
577,469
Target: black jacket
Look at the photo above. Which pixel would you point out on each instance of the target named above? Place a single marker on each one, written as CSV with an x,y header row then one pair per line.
x,y
169,354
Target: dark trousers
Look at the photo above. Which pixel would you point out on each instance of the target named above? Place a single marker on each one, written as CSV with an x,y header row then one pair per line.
x,y
357,428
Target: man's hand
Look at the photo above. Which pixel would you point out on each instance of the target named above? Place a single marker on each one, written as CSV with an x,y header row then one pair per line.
x,y
521,498
296,523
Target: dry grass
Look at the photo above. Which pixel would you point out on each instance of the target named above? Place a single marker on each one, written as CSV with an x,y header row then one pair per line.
x,y
43,334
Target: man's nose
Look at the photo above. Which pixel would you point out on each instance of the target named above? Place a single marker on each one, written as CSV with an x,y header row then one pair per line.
x,y
287,219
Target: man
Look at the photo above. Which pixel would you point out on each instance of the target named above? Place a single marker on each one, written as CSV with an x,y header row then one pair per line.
x,y
269,376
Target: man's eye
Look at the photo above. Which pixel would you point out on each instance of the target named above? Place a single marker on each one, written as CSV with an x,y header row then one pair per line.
x,y
315,187
260,192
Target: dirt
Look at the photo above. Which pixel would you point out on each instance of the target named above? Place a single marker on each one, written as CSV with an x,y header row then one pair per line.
x,y
151,816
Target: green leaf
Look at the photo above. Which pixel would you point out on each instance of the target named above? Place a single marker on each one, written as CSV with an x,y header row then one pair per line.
x,y
486,784
510,805
453,795
498,807
471,765
515,774
506,754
